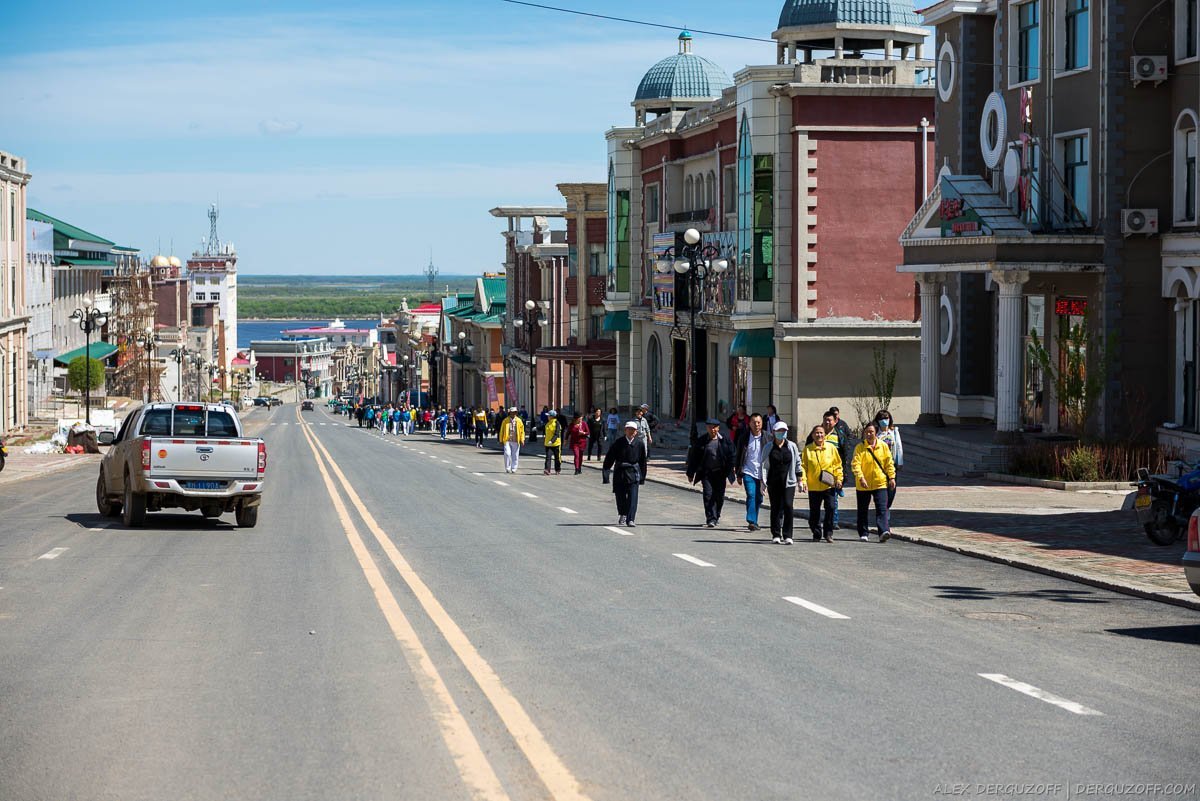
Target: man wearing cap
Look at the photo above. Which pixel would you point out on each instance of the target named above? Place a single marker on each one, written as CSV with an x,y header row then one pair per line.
x,y
512,435
640,420
711,463
751,441
552,439
625,464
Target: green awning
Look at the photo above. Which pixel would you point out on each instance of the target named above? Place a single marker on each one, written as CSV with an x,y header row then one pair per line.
x,y
617,321
89,263
99,350
754,343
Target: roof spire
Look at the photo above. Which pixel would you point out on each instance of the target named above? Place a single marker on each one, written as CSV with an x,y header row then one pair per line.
x,y
685,42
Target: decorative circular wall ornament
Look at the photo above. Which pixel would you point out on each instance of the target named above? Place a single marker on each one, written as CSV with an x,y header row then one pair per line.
x,y
993,130
945,325
946,71
1012,170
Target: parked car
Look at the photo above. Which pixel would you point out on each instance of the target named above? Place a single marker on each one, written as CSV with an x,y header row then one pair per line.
x,y
190,456
306,406
1191,557
261,401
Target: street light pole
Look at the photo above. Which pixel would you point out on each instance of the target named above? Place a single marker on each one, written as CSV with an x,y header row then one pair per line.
x,y
179,355
695,261
530,320
463,353
148,341
89,318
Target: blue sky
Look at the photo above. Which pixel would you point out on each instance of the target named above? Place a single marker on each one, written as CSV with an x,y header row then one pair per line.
x,y
338,138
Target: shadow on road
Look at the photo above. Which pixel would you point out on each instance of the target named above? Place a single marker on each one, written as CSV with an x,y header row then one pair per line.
x,y
155,521
1186,635
1065,596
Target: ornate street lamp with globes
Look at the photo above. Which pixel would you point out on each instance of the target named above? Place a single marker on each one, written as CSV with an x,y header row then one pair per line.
x,y
89,319
148,341
531,319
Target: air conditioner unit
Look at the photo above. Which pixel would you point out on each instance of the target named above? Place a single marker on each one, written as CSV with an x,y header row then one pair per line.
x,y
1147,68
1142,222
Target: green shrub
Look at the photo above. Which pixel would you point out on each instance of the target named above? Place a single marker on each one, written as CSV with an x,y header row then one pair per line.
x,y
1081,464
83,371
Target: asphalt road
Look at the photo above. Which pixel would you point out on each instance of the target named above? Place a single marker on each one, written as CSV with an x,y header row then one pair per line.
x,y
408,621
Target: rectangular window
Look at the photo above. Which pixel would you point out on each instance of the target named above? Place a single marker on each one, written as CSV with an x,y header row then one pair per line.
x,y
1076,50
622,240
1189,181
1028,41
201,296
596,260
215,296
12,216
764,227
1076,179
572,261
729,189
652,203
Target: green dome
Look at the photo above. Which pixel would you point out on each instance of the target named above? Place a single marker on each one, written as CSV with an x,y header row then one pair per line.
x,y
797,13
683,75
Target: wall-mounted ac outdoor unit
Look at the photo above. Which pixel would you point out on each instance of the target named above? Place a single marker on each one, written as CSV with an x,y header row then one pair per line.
x,y
1147,68
1139,222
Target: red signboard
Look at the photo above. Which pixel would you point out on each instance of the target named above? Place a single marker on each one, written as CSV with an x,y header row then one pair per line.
x,y
1071,307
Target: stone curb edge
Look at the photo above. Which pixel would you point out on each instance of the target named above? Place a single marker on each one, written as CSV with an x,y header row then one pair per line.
x,y
1066,486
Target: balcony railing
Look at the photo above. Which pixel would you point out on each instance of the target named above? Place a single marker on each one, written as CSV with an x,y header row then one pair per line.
x,y
695,215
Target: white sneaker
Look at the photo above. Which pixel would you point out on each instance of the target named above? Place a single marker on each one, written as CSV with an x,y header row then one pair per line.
x,y
621,520
864,538
777,541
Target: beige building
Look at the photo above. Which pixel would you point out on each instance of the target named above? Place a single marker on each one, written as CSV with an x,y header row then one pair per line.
x,y
14,321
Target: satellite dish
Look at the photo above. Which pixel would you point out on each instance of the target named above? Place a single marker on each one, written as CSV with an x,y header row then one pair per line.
x,y
1012,170
993,130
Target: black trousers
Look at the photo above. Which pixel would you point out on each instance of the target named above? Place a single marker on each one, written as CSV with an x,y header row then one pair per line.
x,y
627,498
816,502
783,500
554,452
714,495
480,433
595,442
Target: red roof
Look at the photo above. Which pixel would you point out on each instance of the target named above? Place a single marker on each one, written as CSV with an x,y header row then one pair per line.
x,y
240,362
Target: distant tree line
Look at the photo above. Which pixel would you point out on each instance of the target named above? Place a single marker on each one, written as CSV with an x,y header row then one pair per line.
x,y
321,307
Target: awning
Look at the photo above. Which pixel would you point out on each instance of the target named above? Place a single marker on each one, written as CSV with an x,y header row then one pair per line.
x,y
91,264
755,343
617,321
99,350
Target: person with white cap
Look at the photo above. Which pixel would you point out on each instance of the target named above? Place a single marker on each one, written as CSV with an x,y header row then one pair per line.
x,y
552,439
781,467
625,465
512,436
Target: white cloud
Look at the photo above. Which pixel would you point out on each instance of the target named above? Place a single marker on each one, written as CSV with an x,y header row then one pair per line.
x,y
274,127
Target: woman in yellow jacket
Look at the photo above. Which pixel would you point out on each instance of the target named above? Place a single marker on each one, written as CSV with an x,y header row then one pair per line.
x,y
512,436
553,437
821,478
874,475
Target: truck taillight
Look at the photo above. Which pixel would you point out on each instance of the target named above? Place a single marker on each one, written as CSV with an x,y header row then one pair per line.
x,y
262,458
146,455
1193,533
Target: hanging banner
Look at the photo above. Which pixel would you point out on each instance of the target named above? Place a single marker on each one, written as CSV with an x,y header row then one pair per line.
x,y
493,395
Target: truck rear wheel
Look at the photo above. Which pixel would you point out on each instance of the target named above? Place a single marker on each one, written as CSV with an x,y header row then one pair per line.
x,y
133,508
105,505
247,516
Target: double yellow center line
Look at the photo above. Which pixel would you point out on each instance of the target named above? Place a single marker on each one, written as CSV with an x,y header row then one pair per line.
x,y
472,763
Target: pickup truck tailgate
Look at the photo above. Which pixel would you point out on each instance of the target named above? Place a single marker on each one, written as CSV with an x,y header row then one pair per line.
x,y
203,459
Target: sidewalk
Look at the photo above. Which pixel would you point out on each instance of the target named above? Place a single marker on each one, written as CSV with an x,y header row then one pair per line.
x,y
1079,536
20,466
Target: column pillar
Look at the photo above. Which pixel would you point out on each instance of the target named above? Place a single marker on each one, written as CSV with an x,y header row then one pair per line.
x,y
1009,349
931,350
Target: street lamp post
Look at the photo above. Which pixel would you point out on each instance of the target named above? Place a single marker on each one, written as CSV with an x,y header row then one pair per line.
x,y
148,341
89,319
431,356
200,365
696,262
532,318
406,378
462,356
180,355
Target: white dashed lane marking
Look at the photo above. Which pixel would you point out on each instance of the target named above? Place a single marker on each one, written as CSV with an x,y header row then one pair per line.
x,y
501,483
478,474
53,553
567,511
693,560
820,610
1040,694
528,494
620,531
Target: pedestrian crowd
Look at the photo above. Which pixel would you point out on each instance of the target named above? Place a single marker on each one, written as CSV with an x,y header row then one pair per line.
x,y
758,451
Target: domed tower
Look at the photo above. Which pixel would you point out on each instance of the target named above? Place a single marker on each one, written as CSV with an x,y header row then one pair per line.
x,y
679,82
848,28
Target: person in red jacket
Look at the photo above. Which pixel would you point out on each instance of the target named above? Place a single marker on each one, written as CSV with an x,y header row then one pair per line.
x,y
577,439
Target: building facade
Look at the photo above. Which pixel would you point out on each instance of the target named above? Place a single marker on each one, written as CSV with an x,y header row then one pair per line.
x,y
212,272
307,362
1064,157
39,296
14,317
788,172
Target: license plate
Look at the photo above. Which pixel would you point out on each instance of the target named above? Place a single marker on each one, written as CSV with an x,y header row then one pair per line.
x,y
204,485
1142,502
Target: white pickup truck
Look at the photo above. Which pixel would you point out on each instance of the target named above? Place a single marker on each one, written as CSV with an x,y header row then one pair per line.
x,y
182,456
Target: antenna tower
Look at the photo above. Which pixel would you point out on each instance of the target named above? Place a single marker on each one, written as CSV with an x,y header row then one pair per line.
x,y
213,246
431,273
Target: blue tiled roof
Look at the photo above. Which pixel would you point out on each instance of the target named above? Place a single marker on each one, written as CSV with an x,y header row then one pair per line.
x,y
683,75
856,12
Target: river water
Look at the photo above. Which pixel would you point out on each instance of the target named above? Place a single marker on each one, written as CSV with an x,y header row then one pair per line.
x,y
250,330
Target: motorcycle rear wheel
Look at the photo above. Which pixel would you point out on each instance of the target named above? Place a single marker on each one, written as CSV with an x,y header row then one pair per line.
x,y
1162,529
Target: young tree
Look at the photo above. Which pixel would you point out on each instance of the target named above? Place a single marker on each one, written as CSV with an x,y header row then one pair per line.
x,y
84,373
1077,383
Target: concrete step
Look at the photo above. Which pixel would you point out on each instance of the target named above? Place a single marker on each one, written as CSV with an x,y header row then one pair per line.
x,y
921,459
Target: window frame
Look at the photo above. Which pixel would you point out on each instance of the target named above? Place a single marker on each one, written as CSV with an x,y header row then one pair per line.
x,y
1063,35
1061,143
1187,126
1015,46
1182,7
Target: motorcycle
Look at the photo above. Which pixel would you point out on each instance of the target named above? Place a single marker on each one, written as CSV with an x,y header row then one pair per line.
x,y
1164,503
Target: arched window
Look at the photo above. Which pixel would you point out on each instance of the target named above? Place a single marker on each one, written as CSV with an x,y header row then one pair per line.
x,y
1185,167
654,373
745,210
711,185
689,194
